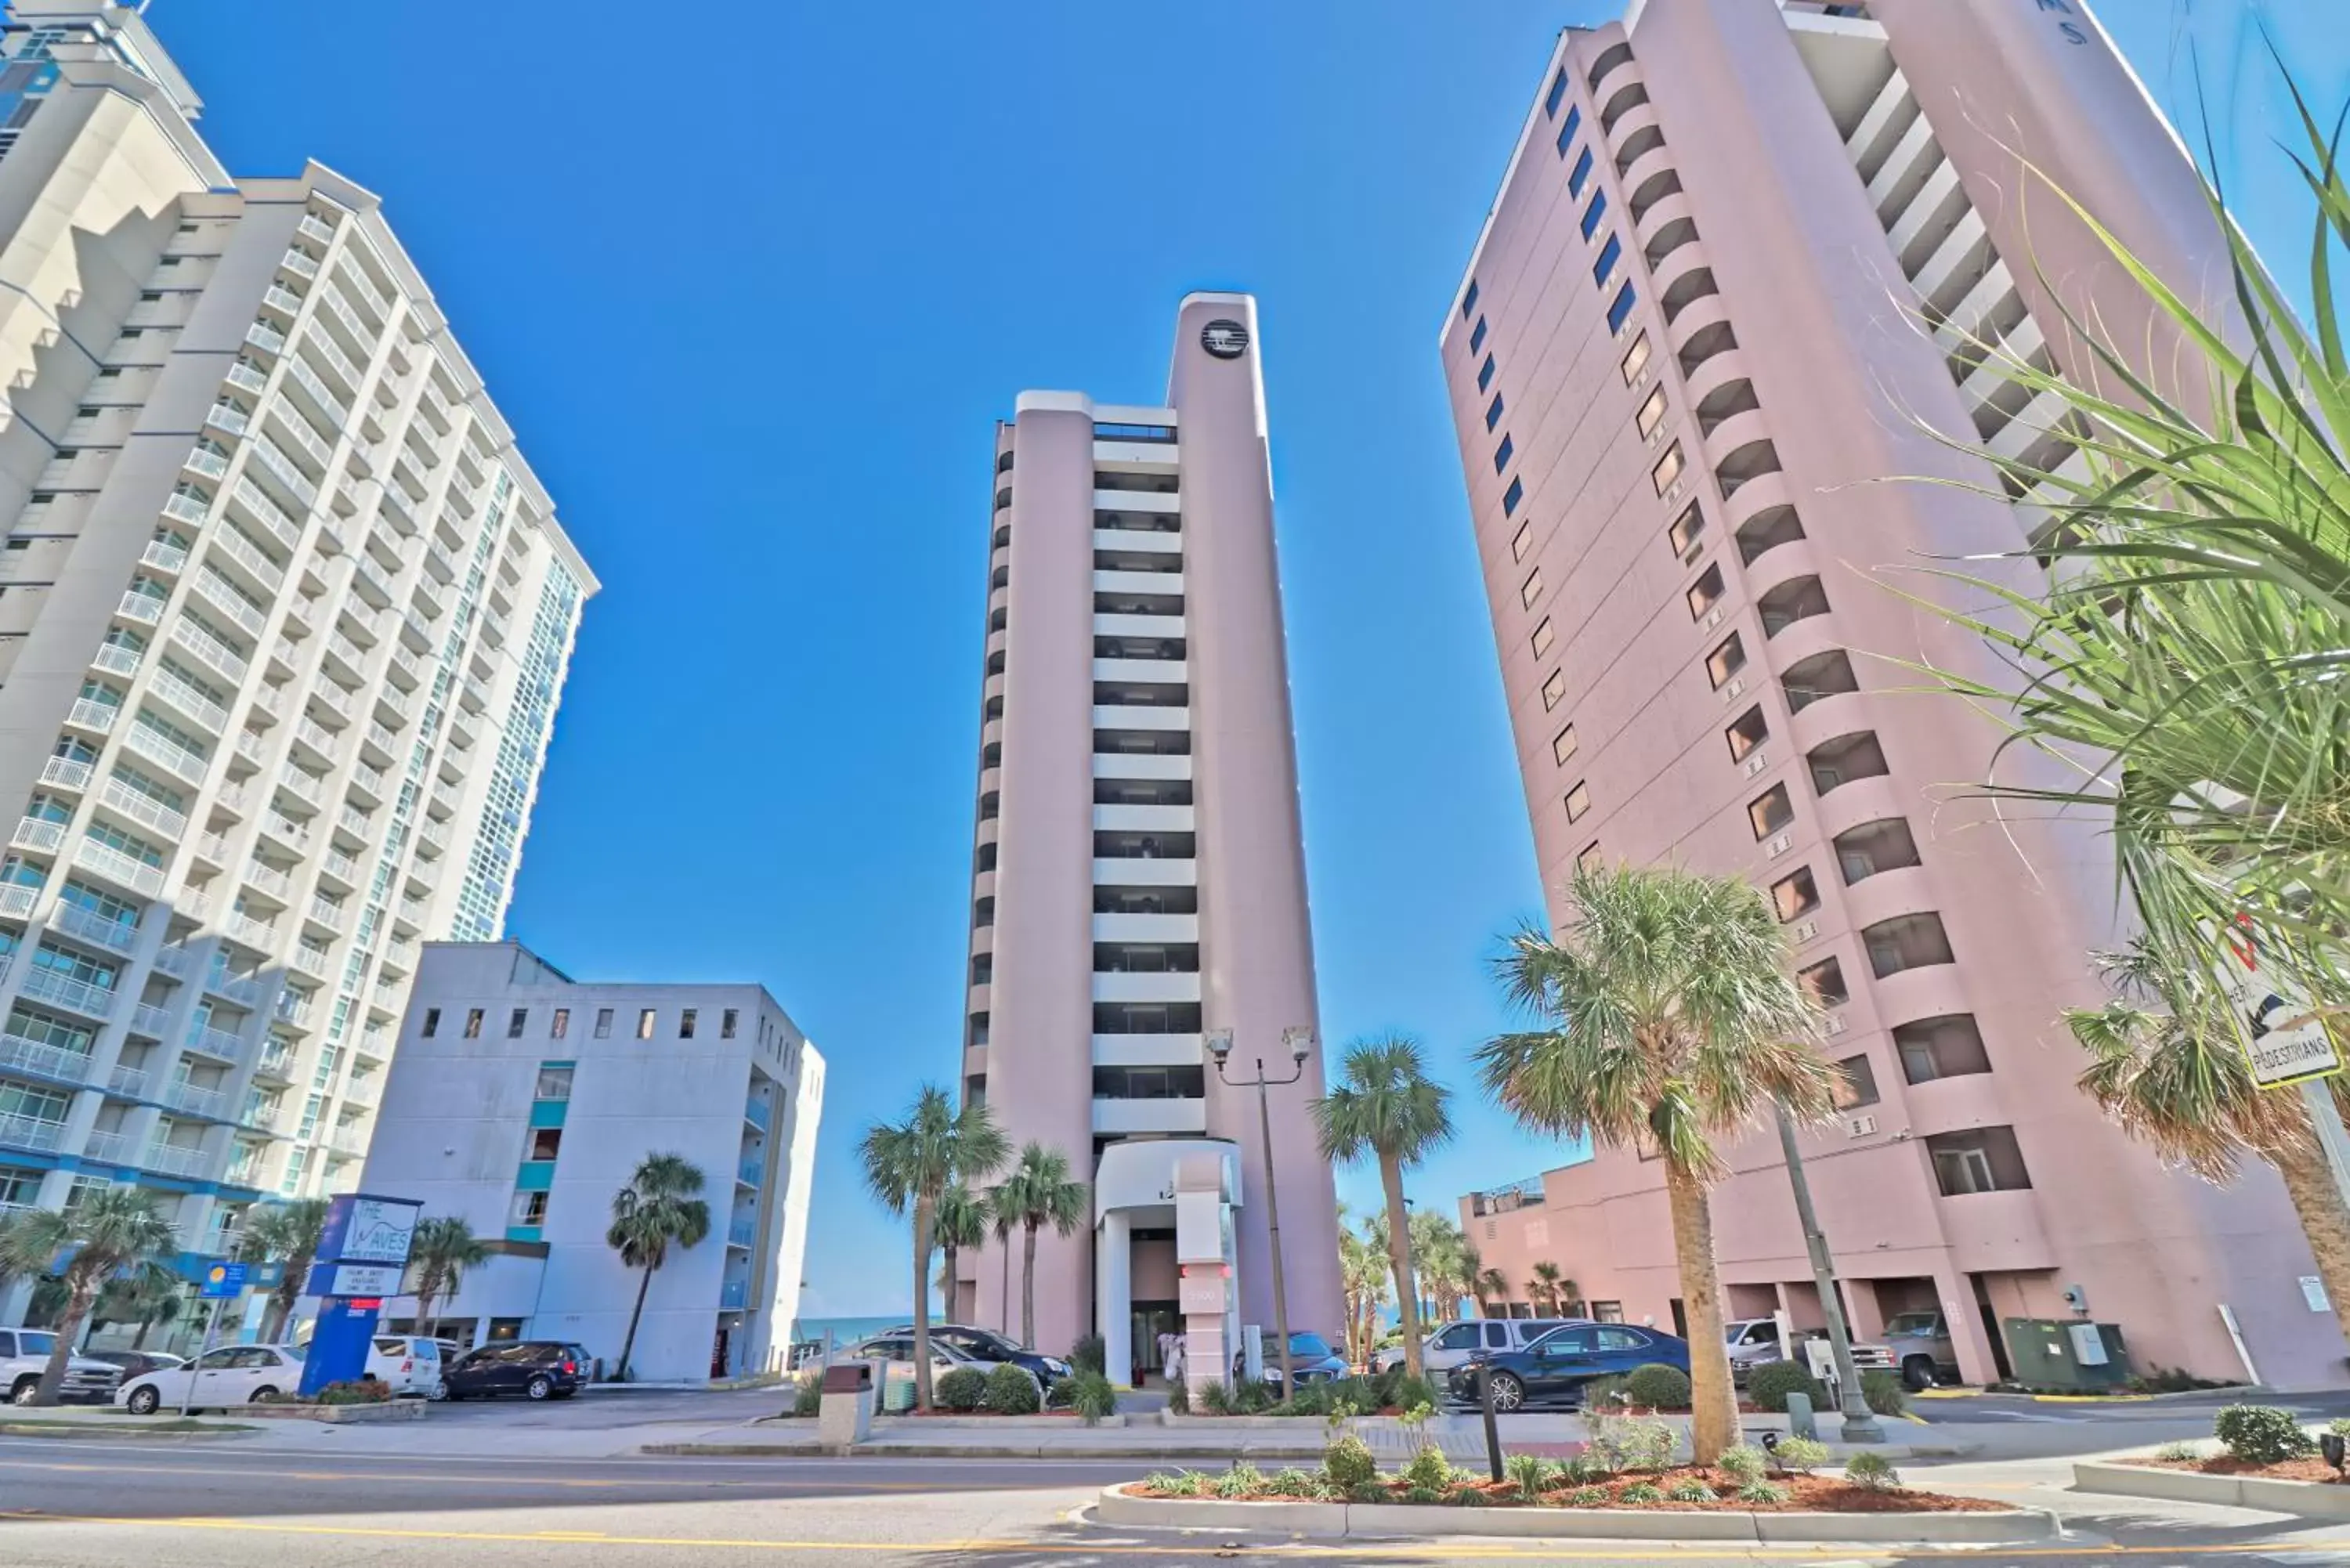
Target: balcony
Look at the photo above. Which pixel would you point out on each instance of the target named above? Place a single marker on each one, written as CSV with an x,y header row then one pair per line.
x,y
92,717
154,1023
259,935
145,609
326,915
1159,986
244,989
275,1061
19,1054
743,1233
151,743
311,962
208,650
80,996
172,958
350,1138
18,900
32,1133
37,833
64,773
99,930
1113,1118
191,703
217,1042
172,1159
183,1096
130,1083
118,868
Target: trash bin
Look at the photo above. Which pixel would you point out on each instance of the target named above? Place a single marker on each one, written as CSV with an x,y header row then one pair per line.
x,y
845,1406
848,1378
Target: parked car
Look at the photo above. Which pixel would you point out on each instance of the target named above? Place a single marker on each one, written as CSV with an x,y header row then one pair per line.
x,y
1557,1367
409,1365
986,1344
1310,1357
1922,1347
25,1355
231,1374
1451,1346
895,1355
1751,1341
534,1368
131,1362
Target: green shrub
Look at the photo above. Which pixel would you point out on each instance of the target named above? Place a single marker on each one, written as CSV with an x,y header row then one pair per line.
x,y
1428,1468
1532,1472
1089,1394
1884,1392
1761,1492
808,1399
1349,1463
1606,1395
1690,1491
1641,1491
1253,1398
1293,1482
1369,1492
1243,1480
1407,1391
1742,1463
355,1391
1466,1494
964,1388
1178,1397
1656,1387
1770,1383
1215,1400
1632,1442
2261,1434
1871,1473
1584,1468
1181,1483
1090,1354
1587,1496
2184,1450
1799,1456
1011,1391
1382,1385
1313,1399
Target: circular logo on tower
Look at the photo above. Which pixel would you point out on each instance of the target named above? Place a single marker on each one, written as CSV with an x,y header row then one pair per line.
x,y
1224,339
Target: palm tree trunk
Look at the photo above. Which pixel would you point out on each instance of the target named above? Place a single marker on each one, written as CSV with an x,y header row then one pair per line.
x,y
922,1302
139,1340
424,1313
1029,1287
1713,1403
1399,1258
629,1346
947,1270
2317,1203
53,1375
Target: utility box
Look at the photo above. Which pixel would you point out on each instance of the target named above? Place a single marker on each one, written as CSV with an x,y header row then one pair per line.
x,y
2066,1352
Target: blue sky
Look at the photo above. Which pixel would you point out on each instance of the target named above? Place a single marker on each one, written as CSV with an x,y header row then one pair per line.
x,y
753,290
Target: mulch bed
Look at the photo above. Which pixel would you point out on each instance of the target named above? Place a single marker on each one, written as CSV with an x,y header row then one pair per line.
x,y
1807,1494
2312,1468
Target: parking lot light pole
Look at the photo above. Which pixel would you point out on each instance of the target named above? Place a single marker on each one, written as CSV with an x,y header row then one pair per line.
x,y
1860,1423
1301,1044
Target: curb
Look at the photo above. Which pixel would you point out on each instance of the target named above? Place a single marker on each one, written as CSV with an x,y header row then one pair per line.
x,y
70,1431
973,1451
2309,1499
1358,1521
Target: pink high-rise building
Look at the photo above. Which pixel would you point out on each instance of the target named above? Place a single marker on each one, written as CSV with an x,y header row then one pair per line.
x,y
1139,881
1731,280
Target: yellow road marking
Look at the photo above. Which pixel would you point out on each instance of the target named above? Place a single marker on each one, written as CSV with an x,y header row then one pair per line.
x,y
1843,1552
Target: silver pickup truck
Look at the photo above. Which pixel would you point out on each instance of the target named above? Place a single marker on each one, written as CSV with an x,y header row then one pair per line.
x,y
25,1355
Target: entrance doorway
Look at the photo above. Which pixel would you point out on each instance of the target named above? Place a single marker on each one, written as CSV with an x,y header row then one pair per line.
x,y
1152,1319
718,1368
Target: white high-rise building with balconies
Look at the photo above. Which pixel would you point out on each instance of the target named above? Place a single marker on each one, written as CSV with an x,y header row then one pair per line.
x,y
284,617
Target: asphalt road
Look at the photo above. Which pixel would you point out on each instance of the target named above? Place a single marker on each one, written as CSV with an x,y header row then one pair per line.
x,y
91,1505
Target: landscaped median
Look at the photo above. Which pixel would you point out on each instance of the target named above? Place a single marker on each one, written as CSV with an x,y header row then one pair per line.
x,y
2264,1461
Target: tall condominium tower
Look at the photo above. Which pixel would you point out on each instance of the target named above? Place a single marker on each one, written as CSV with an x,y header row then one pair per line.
x,y
283,620
1740,267
1140,880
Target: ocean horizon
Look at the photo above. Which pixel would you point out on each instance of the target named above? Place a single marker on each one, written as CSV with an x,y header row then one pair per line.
x,y
846,1330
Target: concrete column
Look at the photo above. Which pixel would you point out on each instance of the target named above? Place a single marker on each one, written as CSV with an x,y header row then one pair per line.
x,y
1113,1296
1976,1362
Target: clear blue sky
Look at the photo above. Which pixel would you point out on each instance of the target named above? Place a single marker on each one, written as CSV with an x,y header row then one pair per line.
x,y
753,290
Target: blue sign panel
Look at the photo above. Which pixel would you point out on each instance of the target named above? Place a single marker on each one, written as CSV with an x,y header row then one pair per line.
x,y
222,1282
361,1229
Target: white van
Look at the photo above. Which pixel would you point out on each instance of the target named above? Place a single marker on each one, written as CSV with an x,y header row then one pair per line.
x,y
1449,1346
411,1366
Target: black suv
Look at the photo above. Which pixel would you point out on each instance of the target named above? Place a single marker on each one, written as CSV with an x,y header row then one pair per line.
x,y
534,1368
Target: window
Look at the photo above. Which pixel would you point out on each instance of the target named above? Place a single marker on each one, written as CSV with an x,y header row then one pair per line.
x,y
1726,660
474,1023
1705,593
644,1024
544,1143
1511,496
1531,589
1494,412
1581,177
1553,690
529,1208
1607,1312
1651,414
1622,1339
1687,530
432,1022
1855,1085
1750,731
1522,541
685,1024
1618,312
561,1026
1476,338
1557,94
1543,638
553,1081
1594,213
1980,1159
1578,802
514,1021
1504,452
1636,359
1485,373
1589,860
726,1024
1562,745
1609,255
1469,300
1796,895
1824,981
1669,468
603,1022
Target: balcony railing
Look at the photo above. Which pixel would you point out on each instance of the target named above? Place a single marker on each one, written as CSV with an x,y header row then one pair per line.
x,y
64,773
116,659
244,989
274,1061
209,650
83,997
202,1101
327,914
253,933
267,512
37,833
31,1132
18,900
144,608
129,1082
38,1057
96,717
185,696
113,1148
311,962
152,1021
218,1043
742,1233
172,1159
161,749
230,542
223,595
120,868
734,1294
172,958
90,926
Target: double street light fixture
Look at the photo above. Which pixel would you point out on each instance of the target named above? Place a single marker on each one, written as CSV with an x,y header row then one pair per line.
x,y
1300,1041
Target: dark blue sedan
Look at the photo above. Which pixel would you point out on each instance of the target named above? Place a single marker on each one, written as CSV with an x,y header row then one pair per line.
x,y
1555,1369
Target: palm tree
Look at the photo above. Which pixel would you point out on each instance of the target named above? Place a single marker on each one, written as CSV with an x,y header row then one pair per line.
x,y
1672,1019
1002,1220
2165,1065
105,1234
1493,1285
910,1165
1366,1276
285,1233
148,1295
962,1222
16,1243
1041,1192
444,1249
1569,1299
1385,1105
1546,1280
655,1211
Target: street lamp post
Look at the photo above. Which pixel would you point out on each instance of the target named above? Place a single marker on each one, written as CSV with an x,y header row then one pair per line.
x,y
1300,1043
1860,1424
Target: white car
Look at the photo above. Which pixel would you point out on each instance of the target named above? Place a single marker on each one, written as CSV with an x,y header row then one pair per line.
x,y
25,1355
407,1364
231,1374
1450,1346
894,1357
